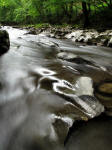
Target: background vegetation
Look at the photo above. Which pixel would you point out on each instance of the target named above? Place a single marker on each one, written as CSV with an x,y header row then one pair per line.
x,y
84,13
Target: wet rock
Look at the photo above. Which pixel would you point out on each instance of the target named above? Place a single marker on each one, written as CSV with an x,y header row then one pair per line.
x,y
91,37
73,58
84,105
102,39
110,42
4,42
51,35
103,91
74,35
85,91
88,36
66,56
104,42
93,106
32,31
60,33
48,43
85,36
84,86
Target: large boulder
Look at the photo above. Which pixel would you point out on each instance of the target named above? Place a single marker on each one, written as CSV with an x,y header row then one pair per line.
x,y
4,42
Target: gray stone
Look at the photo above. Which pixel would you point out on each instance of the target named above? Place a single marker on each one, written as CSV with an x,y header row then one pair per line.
x,y
110,42
84,86
85,91
91,37
66,56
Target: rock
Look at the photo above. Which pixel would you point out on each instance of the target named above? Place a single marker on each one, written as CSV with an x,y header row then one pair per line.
x,y
73,58
88,36
33,31
58,37
66,56
103,91
84,86
85,36
51,35
91,37
74,35
92,105
85,91
110,43
60,33
4,42
48,43
104,42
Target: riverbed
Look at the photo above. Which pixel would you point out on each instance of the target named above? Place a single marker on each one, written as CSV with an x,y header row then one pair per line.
x,y
39,104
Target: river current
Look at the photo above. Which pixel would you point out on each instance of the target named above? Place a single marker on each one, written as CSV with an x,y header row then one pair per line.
x,y
38,95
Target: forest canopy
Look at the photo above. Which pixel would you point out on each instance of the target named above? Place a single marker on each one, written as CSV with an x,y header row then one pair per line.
x,y
55,11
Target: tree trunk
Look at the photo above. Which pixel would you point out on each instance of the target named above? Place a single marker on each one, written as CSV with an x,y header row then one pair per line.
x,y
86,14
70,11
89,7
110,5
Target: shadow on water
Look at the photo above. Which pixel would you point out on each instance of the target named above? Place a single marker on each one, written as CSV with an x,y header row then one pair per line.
x,y
92,135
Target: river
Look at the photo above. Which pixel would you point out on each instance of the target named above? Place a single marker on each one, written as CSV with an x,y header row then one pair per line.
x,y
38,100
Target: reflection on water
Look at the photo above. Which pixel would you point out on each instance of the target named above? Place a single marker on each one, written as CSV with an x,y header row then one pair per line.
x,y
39,96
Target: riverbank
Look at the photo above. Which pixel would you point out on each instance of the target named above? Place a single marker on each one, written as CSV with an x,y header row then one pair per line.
x,y
99,37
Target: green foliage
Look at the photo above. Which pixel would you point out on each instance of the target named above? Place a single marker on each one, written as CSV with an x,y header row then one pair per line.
x,y
42,25
50,11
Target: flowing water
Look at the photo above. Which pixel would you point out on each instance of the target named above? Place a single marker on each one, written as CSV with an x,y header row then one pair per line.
x,y
38,100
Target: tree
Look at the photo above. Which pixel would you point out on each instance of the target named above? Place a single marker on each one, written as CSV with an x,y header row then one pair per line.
x,y
86,14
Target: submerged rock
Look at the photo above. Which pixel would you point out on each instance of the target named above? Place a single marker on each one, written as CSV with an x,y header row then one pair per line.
x,y
4,42
48,43
73,58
